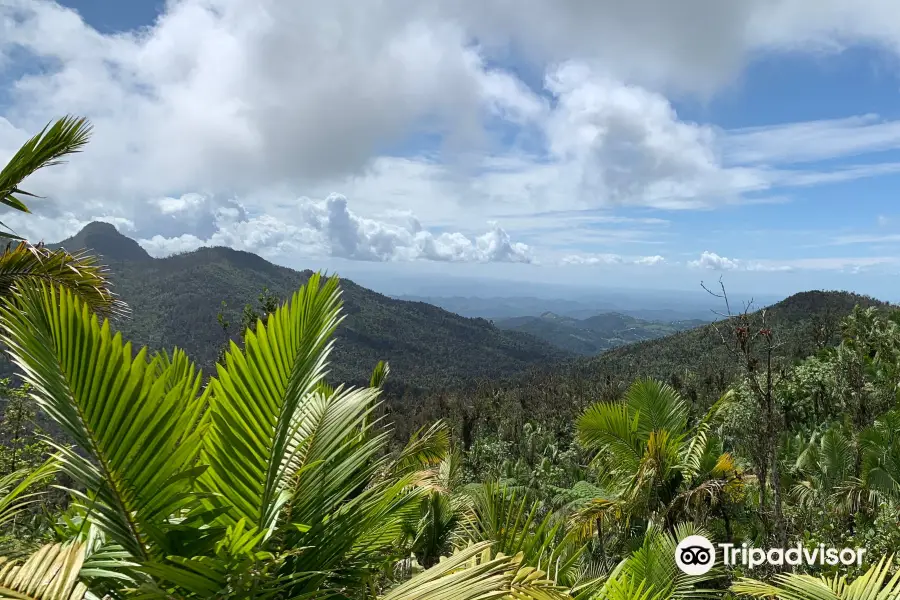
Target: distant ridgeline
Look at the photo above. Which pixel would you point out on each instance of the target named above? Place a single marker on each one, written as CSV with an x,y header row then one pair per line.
x,y
432,352
175,301
595,334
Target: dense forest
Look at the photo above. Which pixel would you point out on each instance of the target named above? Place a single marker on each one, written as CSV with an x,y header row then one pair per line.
x,y
597,333
127,471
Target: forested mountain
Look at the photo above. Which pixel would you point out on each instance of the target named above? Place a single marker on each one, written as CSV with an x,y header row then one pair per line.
x,y
801,324
701,363
594,334
175,301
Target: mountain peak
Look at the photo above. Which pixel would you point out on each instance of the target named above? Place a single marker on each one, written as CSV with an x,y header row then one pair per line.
x,y
814,301
99,228
104,239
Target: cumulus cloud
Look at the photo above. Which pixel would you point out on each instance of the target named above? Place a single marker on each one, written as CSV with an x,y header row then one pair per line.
x,y
232,94
611,259
627,143
650,260
712,261
329,228
852,264
406,105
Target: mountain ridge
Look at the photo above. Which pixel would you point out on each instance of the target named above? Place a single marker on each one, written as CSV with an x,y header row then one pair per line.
x,y
175,300
500,307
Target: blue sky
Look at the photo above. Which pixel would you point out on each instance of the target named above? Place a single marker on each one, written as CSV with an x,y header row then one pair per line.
x,y
113,17
651,146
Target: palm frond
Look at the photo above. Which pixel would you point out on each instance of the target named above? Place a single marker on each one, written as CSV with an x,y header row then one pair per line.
x,y
426,448
658,406
14,489
379,374
261,398
134,421
472,573
514,525
612,429
872,585
654,563
339,501
51,573
66,136
624,587
80,272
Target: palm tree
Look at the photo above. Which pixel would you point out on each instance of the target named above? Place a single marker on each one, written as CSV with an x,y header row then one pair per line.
x,y
649,459
264,483
824,467
21,261
515,523
443,510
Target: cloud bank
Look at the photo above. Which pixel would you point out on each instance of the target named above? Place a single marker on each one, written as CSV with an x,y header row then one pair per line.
x,y
212,121
329,228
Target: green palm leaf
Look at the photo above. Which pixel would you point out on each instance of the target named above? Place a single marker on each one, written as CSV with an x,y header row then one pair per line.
x,y
654,564
873,585
623,587
379,374
81,273
514,525
133,418
14,489
658,405
340,505
425,449
472,574
612,428
259,400
64,137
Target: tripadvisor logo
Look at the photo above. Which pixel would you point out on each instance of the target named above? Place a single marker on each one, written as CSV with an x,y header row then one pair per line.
x,y
696,555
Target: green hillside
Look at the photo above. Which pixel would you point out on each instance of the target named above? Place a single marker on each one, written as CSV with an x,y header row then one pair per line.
x,y
797,324
694,361
175,302
594,334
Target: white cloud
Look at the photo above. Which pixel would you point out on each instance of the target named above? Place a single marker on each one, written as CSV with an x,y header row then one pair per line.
x,y
611,259
811,140
405,106
626,144
650,260
329,228
712,261
173,206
